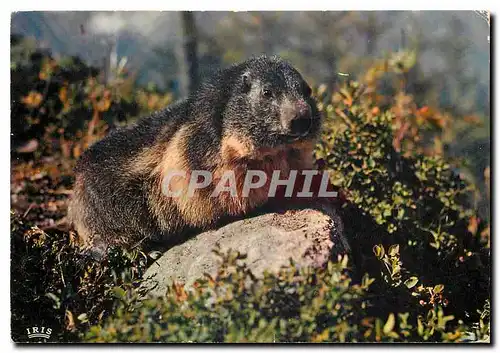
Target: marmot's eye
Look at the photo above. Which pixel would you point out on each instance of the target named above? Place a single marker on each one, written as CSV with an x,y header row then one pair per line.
x,y
267,93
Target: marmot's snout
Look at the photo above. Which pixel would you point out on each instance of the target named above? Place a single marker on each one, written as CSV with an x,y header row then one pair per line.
x,y
296,118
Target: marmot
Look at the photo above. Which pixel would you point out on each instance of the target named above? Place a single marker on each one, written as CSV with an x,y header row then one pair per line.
x,y
257,115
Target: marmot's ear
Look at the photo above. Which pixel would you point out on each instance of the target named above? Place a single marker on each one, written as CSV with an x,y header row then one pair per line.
x,y
246,84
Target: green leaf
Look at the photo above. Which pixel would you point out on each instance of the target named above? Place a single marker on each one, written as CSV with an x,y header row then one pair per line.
x,y
344,261
394,250
118,292
367,281
55,298
447,318
389,325
420,327
379,251
438,288
411,282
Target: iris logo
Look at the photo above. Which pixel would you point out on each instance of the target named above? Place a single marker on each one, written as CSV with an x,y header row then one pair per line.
x,y
39,332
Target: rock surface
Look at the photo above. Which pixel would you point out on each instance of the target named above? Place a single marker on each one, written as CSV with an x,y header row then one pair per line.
x,y
269,240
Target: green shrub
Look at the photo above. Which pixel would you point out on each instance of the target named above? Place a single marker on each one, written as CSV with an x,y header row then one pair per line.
x,y
417,202
295,305
55,286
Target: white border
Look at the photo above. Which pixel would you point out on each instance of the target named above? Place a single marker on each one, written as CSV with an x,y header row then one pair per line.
x,y
27,5
280,5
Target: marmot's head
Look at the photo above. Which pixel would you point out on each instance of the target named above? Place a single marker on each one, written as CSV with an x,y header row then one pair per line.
x,y
269,104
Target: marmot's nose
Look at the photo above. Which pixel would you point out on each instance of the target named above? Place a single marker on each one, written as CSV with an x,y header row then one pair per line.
x,y
298,118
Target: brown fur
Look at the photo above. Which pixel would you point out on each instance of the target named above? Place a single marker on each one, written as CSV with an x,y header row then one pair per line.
x,y
76,212
236,154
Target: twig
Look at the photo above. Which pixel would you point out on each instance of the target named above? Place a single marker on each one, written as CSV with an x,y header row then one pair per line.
x,y
29,209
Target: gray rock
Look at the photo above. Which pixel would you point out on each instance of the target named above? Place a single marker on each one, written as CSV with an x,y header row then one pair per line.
x,y
269,240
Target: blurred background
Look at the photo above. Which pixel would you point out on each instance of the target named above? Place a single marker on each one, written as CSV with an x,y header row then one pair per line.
x,y
128,63
452,47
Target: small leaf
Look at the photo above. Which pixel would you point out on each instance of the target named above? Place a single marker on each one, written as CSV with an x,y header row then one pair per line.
x,y
394,250
438,288
420,327
55,298
70,321
389,325
411,282
154,254
344,262
367,281
118,292
379,251
448,318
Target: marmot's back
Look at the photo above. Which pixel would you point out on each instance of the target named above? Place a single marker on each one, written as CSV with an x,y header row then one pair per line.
x,y
257,115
